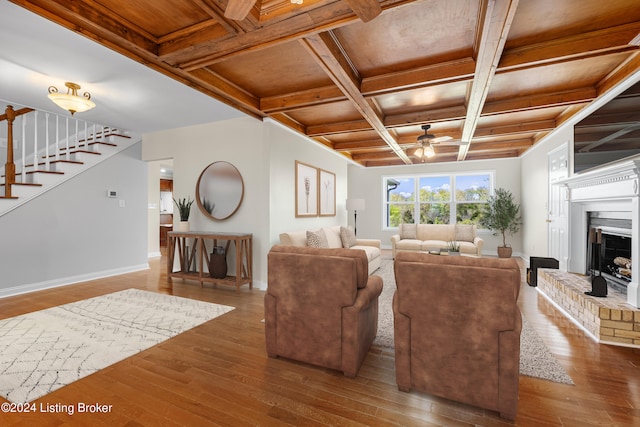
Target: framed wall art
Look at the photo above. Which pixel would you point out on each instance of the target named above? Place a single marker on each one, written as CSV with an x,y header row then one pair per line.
x,y
327,184
306,190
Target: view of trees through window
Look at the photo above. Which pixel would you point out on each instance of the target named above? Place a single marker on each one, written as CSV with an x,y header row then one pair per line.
x,y
436,199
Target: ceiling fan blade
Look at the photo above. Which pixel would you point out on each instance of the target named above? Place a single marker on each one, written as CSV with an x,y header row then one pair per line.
x,y
440,139
453,142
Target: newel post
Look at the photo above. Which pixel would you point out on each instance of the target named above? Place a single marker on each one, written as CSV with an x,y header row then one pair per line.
x,y
9,167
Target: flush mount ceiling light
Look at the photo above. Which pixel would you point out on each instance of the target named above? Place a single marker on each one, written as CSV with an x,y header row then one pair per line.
x,y
71,101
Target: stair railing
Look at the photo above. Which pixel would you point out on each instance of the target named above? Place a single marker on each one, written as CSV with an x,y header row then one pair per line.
x,y
75,136
10,167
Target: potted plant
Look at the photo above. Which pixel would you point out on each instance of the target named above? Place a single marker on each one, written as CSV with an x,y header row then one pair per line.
x,y
502,216
184,207
454,248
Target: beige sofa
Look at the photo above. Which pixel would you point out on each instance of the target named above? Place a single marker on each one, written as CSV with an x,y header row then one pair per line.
x,y
334,240
431,237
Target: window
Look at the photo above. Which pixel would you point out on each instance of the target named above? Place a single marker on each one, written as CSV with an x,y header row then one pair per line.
x,y
436,199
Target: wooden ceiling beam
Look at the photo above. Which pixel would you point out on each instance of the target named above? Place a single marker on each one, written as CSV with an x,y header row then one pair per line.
x,y
426,117
301,99
289,122
238,9
544,100
324,18
496,17
330,55
365,9
338,128
494,155
622,72
368,145
97,23
215,11
571,48
219,85
387,155
425,76
515,144
515,129
201,54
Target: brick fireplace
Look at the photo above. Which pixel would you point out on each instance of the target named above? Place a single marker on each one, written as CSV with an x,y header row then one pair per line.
x,y
608,199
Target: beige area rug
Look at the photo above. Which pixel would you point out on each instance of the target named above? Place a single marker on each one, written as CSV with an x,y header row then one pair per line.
x,y
43,351
535,358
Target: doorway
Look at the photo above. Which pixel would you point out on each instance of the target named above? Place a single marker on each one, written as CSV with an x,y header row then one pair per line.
x,y
160,201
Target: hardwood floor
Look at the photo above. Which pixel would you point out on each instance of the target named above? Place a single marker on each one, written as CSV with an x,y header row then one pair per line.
x,y
219,374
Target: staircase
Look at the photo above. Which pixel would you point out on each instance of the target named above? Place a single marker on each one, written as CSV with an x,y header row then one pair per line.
x,y
50,149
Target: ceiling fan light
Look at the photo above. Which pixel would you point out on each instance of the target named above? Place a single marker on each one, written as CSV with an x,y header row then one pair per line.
x,y
428,150
71,101
419,152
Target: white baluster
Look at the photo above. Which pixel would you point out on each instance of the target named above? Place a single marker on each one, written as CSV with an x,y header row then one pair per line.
x,y
46,149
86,135
67,141
24,149
77,139
35,141
57,137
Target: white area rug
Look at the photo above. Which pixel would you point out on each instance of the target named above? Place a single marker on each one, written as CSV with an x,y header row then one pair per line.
x,y
535,358
43,351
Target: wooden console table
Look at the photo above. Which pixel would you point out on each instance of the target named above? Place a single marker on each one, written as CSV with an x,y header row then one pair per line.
x,y
193,256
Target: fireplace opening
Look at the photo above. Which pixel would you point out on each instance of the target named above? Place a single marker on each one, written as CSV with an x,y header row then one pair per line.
x,y
615,251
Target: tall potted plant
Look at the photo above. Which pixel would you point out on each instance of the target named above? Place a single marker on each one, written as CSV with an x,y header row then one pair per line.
x,y
502,216
184,207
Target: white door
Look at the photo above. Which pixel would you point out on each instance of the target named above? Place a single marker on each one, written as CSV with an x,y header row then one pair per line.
x,y
558,206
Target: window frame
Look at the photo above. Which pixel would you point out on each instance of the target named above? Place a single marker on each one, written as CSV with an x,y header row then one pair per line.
x,y
453,202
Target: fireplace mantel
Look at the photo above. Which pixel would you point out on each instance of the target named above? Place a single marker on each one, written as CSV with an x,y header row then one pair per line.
x,y
616,181
612,188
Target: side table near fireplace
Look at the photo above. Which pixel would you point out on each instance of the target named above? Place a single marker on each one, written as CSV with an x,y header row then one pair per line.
x,y
193,248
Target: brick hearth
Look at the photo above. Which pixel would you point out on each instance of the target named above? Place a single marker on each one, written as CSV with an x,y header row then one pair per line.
x,y
609,320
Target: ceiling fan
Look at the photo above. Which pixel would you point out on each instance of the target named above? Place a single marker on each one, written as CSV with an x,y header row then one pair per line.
x,y
427,141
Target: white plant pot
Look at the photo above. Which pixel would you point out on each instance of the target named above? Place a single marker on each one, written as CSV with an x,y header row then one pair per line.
x,y
182,226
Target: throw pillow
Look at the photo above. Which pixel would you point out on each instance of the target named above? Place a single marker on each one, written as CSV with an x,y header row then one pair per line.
x,y
464,233
317,239
408,231
348,237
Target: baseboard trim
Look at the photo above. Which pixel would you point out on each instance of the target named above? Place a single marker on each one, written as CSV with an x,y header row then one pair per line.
x,y
49,284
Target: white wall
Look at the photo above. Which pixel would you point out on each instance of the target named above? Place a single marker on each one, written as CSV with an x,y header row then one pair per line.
x,y
285,148
74,232
367,183
264,153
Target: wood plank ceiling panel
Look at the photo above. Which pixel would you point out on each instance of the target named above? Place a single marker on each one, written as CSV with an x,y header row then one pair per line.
x,y
498,74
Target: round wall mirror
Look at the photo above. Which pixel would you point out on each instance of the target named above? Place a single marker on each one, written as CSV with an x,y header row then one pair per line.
x,y
219,190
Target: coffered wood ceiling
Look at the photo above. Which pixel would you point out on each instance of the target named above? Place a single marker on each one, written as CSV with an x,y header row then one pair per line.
x,y
362,76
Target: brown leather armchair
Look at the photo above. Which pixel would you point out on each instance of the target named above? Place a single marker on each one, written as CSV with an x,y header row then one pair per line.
x,y
457,329
321,306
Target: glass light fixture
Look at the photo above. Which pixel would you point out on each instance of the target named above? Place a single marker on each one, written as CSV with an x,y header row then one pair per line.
x,y
71,101
425,150
428,150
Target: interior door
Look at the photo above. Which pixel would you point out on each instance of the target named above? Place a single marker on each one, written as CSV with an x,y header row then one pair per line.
x,y
558,206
